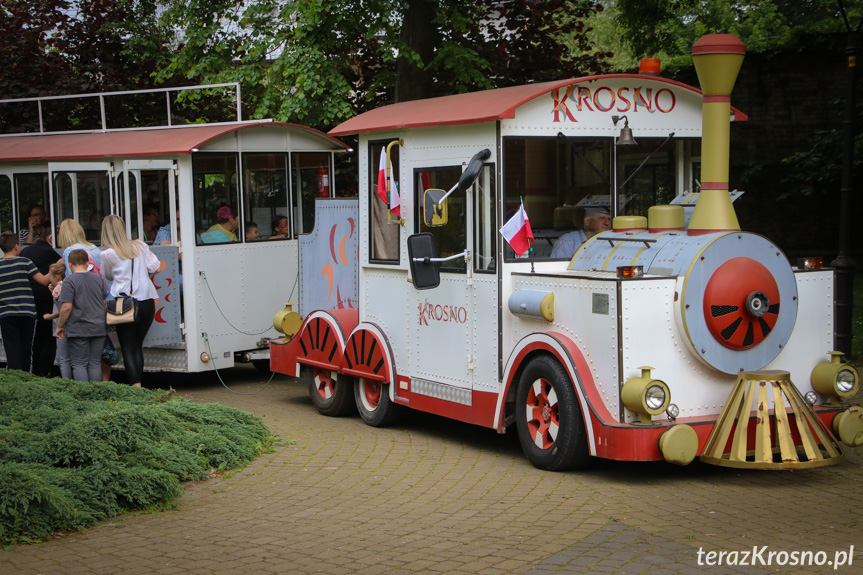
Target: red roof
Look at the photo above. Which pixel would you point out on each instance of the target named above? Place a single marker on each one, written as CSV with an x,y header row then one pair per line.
x,y
470,108
161,142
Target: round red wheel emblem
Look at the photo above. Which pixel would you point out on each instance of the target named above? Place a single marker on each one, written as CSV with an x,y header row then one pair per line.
x,y
741,303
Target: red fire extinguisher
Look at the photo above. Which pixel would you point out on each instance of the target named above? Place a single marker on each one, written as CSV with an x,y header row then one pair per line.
x,y
323,183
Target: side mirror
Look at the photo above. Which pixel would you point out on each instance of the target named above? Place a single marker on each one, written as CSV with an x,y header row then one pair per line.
x,y
434,208
434,201
421,252
474,167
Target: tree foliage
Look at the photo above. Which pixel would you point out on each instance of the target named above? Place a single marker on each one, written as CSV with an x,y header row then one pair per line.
x,y
668,28
319,62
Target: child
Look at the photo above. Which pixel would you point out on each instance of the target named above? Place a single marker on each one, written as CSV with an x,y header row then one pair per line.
x,y
17,306
56,273
83,309
252,233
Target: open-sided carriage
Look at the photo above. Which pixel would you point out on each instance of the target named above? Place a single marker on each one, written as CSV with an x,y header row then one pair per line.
x,y
215,296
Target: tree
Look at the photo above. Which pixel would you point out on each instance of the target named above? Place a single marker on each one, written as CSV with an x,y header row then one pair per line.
x,y
319,62
59,47
668,28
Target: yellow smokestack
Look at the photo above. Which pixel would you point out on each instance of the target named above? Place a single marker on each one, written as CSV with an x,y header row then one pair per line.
x,y
717,59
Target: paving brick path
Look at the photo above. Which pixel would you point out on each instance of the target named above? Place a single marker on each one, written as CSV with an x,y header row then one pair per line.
x,y
433,496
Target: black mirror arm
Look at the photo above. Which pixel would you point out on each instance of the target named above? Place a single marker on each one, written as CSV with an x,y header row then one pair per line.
x,y
465,254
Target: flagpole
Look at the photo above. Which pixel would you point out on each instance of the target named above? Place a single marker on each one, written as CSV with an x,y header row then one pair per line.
x,y
529,243
400,221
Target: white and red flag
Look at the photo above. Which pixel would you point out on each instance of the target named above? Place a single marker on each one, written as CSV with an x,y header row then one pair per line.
x,y
393,200
517,232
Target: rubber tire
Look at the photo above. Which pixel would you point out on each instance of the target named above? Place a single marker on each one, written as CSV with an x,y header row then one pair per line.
x,y
374,405
339,403
567,449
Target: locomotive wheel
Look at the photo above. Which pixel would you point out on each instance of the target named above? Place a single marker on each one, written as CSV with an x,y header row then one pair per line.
x,y
374,404
330,392
550,425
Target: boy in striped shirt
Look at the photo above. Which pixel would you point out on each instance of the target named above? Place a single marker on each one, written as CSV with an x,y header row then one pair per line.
x,y
17,306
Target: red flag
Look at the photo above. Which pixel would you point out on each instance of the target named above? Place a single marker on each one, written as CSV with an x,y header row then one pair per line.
x,y
517,232
393,200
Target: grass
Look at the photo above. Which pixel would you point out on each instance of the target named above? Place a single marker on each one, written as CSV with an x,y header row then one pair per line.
x,y
72,453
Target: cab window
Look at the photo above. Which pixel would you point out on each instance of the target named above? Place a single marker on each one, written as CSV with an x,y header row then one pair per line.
x,y
449,238
384,229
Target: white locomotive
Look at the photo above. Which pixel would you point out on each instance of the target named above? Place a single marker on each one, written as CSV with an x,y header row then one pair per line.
x,y
671,336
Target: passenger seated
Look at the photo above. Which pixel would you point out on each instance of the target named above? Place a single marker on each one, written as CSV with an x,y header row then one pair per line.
x,y
252,233
224,230
281,227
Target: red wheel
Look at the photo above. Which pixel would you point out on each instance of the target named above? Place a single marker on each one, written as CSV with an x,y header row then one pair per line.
x,y
542,415
741,303
329,391
374,403
550,425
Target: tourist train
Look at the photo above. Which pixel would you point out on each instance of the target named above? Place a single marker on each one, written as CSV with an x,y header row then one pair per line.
x,y
673,335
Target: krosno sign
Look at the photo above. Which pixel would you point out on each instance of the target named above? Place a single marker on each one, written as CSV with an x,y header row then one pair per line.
x,y
624,100
445,313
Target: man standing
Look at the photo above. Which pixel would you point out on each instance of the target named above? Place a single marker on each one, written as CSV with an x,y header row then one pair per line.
x,y
596,220
17,307
42,255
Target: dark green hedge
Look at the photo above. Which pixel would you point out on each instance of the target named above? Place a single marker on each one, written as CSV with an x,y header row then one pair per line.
x,y
74,453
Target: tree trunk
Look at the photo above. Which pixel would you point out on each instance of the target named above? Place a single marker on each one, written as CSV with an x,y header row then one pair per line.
x,y
420,35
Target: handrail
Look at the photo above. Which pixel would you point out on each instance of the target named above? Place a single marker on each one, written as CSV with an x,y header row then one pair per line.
x,y
101,96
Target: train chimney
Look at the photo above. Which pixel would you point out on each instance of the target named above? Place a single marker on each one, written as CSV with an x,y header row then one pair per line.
x,y
717,59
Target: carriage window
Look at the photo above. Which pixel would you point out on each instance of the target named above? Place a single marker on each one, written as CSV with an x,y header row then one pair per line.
x,y
310,173
6,224
215,188
265,195
32,190
84,197
449,238
384,229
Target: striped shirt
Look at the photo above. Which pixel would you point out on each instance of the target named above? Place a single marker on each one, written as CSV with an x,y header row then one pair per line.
x,y
16,296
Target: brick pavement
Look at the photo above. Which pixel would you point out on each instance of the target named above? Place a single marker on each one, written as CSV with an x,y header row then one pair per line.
x,y
433,496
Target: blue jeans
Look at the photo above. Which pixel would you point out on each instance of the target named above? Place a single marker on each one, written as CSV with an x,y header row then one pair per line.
x,y
85,354
63,358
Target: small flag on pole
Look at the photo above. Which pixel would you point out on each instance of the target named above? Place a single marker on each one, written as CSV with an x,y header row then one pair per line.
x,y
391,200
517,232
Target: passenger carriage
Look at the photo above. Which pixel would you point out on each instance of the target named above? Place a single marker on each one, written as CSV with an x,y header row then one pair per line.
x,y
215,299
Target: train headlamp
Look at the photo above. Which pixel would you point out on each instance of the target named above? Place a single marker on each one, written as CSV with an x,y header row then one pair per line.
x,y
835,379
673,411
630,272
815,263
645,395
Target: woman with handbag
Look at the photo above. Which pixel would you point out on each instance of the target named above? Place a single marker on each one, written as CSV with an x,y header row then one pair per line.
x,y
129,265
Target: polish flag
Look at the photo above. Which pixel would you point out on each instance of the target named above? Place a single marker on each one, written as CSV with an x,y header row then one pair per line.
x,y
393,200
517,232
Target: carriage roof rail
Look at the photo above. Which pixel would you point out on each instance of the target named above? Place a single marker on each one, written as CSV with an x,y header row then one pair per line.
x,y
102,95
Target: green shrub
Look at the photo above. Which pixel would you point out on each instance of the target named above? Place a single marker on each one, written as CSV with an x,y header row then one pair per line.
x,y
74,453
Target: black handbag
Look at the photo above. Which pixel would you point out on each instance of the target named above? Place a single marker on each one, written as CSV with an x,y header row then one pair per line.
x,y
124,309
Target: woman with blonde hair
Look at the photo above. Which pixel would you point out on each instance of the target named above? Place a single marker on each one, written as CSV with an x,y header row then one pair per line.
x,y
72,237
129,265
